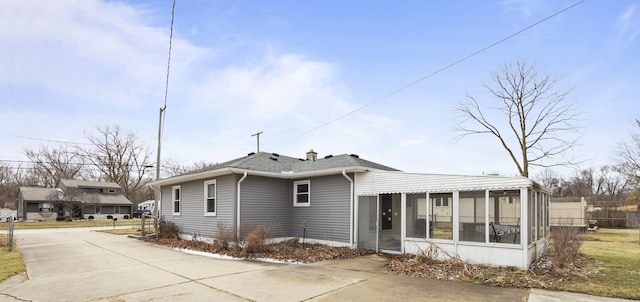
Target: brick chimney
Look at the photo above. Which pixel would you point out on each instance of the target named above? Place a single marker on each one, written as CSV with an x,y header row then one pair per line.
x,y
312,155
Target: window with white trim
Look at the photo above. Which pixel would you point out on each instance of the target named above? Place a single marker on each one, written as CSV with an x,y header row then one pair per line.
x,y
176,195
302,193
210,198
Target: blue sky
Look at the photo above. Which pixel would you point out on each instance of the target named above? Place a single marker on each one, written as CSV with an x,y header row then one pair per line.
x,y
287,67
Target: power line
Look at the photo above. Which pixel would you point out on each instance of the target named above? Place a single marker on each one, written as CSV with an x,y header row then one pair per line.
x,y
473,54
44,139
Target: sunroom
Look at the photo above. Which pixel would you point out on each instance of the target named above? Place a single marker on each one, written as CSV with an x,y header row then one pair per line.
x,y
481,219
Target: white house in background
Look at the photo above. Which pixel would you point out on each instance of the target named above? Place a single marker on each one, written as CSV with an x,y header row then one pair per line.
x,y
147,205
345,200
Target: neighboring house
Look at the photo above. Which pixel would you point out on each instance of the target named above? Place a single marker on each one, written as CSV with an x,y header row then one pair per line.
x,y
569,211
93,200
349,201
6,213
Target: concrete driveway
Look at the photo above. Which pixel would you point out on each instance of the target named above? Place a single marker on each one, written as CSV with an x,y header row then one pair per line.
x,y
82,265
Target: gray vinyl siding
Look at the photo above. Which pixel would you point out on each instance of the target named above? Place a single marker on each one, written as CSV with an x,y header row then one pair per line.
x,y
191,220
328,214
265,201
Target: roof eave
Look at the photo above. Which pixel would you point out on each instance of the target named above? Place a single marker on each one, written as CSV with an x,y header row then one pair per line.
x,y
282,175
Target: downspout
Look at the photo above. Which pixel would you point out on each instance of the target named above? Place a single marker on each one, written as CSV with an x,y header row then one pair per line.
x,y
344,173
238,207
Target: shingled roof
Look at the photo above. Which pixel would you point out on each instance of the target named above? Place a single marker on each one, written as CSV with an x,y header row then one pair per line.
x,y
285,166
276,163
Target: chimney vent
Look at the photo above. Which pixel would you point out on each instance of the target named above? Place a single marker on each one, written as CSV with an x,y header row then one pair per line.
x,y
312,155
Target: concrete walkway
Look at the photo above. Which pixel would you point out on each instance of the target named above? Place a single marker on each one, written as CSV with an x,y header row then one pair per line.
x,y
80,265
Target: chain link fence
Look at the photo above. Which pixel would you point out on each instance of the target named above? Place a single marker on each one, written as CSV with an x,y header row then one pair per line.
x,y
616,219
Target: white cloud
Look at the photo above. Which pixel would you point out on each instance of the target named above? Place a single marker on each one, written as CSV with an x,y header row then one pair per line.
x,y
628,25
524,7
91,50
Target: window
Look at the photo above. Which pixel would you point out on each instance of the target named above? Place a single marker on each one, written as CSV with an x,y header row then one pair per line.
x,y
176,195
210,198
301,193
111,191
45,207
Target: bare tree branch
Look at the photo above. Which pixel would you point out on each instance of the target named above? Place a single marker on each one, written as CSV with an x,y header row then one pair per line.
x,y
51,164
628,155
118,157
540,121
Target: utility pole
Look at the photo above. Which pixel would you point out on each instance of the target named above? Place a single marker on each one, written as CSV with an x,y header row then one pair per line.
x,y
257,135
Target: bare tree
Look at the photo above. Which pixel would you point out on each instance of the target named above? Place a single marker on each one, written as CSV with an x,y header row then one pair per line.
x,y
8,186
119,157
71,200
173,167
552,181
51,164
539,123
628,155
611,183
581,184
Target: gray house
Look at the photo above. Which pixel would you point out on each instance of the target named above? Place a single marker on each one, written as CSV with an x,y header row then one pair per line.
x,y
348,201
92,200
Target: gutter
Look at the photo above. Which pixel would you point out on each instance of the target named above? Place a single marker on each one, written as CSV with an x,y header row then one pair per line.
x,y
344,173
281,175
238,207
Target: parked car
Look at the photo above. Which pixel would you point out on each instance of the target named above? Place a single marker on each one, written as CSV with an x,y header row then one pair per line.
x,y
139,213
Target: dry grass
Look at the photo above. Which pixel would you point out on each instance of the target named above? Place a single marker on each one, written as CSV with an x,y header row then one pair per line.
x,y
129,231
11,262
27,225
617,253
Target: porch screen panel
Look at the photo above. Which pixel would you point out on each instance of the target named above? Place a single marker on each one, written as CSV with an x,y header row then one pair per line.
x,y
367,222
472,216
416,215
540,202
440,215
532,216
504,216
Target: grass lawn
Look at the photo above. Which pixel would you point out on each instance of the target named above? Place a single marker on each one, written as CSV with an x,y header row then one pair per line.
x,y
618,252
11,262
127,231
25,225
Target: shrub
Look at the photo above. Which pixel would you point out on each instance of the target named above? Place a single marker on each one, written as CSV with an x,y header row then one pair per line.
x,y
168,229
256,241
109,216
564,246
224,236
61,218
